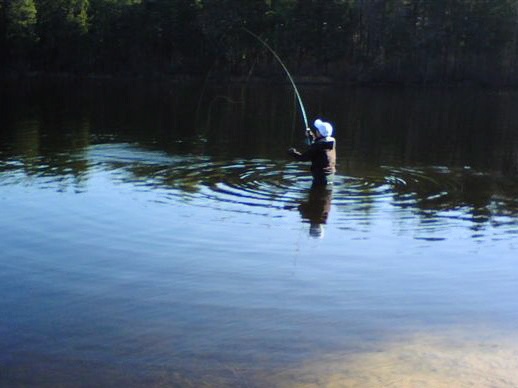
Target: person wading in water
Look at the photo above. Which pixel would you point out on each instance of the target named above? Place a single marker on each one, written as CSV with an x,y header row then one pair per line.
x,y
321,152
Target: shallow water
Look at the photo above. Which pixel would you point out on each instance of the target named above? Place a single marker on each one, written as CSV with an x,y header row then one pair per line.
x,y
157,235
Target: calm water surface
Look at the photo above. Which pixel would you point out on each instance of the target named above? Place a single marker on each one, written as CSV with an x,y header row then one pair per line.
x,y
158,235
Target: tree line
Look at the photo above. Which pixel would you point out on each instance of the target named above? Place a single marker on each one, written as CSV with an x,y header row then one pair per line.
x,y
351,41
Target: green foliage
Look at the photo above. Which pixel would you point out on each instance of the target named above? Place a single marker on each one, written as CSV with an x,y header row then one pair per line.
x,y
18,20
21,20
350,40
62,27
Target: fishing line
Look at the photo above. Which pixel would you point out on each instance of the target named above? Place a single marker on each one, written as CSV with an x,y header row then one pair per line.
x,y
301,104
223,97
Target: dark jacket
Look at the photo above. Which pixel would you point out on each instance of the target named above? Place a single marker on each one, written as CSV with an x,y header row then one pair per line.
x,y
322,154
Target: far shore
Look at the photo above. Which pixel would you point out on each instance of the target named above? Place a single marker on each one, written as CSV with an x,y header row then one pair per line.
x,y
314,80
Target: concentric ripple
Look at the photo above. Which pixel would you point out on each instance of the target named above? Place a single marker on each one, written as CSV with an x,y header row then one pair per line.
x,y
200,180
263,185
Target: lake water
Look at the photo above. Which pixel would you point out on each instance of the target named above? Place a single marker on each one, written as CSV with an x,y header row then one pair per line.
x,y
157,234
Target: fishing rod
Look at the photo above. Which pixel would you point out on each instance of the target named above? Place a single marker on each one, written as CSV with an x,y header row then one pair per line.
x,y
301,104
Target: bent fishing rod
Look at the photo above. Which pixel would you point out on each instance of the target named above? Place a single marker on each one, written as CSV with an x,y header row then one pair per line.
x,y
299,98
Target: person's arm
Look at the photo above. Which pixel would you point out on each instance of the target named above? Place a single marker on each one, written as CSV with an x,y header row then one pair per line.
x,y
304,156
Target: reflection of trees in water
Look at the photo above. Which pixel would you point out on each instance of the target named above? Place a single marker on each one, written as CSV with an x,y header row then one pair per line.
x,y
380,126
48,127
441,127
480,197
248,120
431,196
43,149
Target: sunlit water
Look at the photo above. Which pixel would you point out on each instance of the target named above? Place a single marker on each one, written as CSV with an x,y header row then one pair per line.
x,y
148,249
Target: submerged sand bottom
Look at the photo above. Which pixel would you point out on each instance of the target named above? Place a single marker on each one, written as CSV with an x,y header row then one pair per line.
x,y
453,359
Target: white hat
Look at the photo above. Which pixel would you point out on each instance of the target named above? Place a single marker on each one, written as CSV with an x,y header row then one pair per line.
x,y
324,128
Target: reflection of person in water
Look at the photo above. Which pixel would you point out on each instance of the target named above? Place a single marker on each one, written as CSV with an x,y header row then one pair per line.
x,y
316,209
321,152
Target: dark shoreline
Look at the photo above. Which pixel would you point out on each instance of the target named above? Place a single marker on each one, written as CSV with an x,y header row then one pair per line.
x,y
256,79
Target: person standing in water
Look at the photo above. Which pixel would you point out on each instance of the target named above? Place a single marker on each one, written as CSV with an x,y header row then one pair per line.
x,y
321,152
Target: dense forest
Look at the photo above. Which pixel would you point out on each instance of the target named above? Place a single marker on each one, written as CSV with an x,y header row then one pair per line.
x,y
350,41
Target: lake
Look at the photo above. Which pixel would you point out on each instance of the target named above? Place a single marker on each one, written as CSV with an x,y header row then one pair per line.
x,y
158,234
